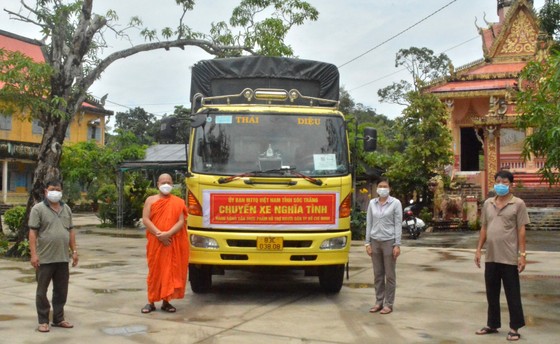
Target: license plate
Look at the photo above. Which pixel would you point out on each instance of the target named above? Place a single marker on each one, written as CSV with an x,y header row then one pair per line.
x,y
270,243
410,223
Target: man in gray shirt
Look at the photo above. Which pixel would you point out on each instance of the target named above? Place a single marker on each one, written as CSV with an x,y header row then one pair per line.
x,y
51,239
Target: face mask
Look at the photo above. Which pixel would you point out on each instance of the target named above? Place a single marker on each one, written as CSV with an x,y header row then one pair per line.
x,y
165,189
383,192
54,196
501,189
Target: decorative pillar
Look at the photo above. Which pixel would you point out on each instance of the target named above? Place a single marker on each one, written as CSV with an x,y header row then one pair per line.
x,y
492,150
450,106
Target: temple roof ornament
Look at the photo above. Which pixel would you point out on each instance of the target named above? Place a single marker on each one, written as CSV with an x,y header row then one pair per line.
x,y
507,47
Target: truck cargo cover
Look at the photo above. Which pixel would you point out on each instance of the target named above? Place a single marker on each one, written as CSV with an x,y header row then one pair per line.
x,y
232,75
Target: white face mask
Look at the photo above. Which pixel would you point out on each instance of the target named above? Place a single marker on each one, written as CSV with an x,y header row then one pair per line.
x,y
54,196
165,189
383,192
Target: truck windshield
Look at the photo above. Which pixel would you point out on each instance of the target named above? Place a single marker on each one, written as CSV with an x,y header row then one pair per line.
x,y
229,144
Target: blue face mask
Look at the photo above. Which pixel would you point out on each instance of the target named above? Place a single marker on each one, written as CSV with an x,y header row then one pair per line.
x,y
501,189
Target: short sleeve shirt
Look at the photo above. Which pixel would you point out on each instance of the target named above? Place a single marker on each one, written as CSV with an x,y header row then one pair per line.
x,y
53,232
502,227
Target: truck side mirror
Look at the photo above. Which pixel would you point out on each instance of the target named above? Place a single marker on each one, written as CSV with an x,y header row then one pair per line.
x,y
168,127
370,139
198,120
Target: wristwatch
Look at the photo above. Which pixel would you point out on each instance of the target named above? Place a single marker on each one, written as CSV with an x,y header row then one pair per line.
x,y
523,254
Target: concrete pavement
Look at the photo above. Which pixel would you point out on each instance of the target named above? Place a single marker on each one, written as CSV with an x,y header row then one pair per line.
x,y
440,299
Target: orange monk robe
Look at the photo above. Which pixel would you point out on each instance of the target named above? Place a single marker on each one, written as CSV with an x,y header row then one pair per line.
x,y
167,265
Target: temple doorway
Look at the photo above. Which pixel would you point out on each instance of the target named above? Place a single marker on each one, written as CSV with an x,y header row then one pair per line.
x,y
471,150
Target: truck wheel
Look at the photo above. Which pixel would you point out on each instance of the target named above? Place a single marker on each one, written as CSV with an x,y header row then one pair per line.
x,y
200,277
331,277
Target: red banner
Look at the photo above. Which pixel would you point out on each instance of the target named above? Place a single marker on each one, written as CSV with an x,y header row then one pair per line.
x,y
272,208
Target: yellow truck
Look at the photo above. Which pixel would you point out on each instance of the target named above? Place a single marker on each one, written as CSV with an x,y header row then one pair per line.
x,y
269,176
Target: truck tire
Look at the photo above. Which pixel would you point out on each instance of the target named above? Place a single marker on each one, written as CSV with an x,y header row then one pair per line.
x,y
331,278
200,277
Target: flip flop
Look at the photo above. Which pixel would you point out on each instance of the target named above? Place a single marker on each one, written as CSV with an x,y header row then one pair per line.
x,y
375,309
62,324
486,330
513,336
43,328
149,307
386,310
168,308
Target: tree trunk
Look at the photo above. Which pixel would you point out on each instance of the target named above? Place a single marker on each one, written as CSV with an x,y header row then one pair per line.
x,y
48,160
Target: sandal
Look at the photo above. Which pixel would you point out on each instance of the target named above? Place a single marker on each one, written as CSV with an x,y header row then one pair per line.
x,y
486,330
166,306
63,324
513,336
43,328
386,310
149,307
375,309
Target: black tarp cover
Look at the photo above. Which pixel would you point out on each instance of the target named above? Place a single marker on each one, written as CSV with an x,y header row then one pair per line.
x,y
232,75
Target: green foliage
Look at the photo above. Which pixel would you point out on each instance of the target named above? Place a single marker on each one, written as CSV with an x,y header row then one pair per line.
x,y
72,193
267,36
358,225
89,165
421,145
425,215
365,117
4,244
539,102
13,217
108,197
426,140
549,17
135,193
23,248
138,122
25,82
423,67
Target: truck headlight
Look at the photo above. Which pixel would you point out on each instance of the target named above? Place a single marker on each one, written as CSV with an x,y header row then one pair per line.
x,y
203,242
334,243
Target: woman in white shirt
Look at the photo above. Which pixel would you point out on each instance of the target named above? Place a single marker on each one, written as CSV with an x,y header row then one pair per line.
x,y
383,240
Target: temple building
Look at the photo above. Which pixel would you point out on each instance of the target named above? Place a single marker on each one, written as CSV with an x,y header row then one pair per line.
x,y
20,136
480,100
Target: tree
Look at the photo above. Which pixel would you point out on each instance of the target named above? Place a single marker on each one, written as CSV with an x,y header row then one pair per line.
x,y
423,66
139,122
427,145
73,43
549,17
539,103
422,146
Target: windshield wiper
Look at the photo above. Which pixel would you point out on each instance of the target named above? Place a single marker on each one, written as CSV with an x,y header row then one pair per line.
x,y
224,180
306,177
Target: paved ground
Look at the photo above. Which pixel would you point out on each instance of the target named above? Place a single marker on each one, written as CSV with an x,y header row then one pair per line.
x,y
440,298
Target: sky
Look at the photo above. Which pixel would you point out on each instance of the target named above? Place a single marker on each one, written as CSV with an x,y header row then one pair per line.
x,y
361,37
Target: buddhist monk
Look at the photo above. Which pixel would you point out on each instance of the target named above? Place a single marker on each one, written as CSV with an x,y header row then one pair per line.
x,y
167,249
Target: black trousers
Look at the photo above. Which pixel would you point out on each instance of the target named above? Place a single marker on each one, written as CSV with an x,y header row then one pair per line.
x,y
494,275
59,274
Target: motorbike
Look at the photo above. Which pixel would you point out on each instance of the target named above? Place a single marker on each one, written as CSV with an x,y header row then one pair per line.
x,y
411,224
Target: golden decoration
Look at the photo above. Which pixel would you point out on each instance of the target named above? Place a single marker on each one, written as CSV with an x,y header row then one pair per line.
x,y
522,37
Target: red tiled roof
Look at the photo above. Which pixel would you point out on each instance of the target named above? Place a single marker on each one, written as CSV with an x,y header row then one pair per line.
x,y
24,46
497,68
31,48
474,85
489,34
